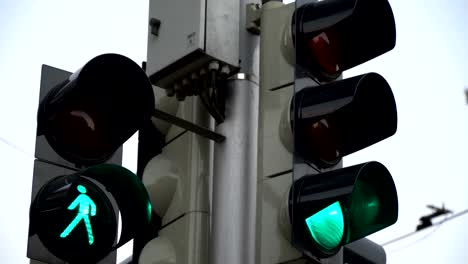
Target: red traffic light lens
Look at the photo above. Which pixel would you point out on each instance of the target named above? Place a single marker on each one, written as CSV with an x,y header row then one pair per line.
x,y
324,49
321,141
333,36
80,133
342,117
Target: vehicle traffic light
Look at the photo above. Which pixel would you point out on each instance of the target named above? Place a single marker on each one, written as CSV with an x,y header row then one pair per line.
x,y
79,188
332,119
311,118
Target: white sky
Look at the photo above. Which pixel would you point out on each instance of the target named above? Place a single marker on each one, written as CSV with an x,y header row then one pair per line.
x,y
427,72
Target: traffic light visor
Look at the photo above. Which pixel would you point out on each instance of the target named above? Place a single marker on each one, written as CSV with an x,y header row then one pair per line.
x,y
342,117
87,117
333,36
373,204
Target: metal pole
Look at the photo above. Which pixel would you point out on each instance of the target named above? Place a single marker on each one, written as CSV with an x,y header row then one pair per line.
x,y
235,178
235,160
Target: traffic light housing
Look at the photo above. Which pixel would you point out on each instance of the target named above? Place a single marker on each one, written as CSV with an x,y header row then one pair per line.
x,y
331,207
79,188
311,118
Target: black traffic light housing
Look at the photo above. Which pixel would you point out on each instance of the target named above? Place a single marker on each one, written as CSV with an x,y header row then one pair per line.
x,y
83,120
329,206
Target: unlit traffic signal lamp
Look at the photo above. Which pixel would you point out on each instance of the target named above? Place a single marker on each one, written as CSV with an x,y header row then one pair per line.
x,y
87,117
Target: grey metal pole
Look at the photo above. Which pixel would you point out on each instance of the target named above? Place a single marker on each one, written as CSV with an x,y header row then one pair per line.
x,y
235,160
235,178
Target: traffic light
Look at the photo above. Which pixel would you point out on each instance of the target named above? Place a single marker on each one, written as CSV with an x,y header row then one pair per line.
x,y
332,119
75,219
311,118
79,188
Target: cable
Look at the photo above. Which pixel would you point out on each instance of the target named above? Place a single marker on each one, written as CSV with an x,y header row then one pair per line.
x,y
8,143
436,224
419,240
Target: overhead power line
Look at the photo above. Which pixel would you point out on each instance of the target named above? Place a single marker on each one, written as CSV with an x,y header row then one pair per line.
x,y
435,224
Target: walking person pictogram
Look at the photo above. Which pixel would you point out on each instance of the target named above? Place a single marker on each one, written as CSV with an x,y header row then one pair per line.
x,y
86,207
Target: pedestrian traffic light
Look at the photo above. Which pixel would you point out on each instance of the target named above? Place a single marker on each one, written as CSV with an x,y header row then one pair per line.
x,y
76,220
310,118
79,188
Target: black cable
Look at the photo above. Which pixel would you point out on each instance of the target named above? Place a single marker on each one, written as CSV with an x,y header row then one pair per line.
x,y
436,224
418,240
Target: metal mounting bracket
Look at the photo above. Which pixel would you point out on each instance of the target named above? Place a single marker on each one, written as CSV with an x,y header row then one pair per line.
x,y
199,130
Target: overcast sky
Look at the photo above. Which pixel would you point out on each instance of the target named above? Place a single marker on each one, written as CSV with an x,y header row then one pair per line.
x,y
427,72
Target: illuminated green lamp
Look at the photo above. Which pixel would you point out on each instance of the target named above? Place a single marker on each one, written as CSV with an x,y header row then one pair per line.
x,y
74,218
338,207
327,226
86,208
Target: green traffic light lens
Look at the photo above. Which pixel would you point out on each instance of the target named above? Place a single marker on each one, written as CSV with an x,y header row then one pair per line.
x,y
327,226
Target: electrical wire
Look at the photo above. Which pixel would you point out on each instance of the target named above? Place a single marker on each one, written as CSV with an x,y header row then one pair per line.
x,y
418,240
8,143
433,225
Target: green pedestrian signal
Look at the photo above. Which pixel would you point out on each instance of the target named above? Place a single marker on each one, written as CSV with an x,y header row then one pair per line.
x,y
86,208
75,219
75,215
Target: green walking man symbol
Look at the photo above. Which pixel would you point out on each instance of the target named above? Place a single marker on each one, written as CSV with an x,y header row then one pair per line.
x,y
86,207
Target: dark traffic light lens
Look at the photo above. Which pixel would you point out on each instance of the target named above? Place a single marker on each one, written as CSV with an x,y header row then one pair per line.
x,y
81,133
89,116
322,142
342,117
